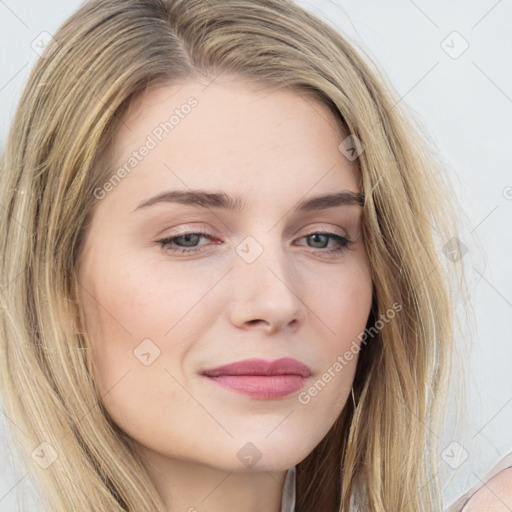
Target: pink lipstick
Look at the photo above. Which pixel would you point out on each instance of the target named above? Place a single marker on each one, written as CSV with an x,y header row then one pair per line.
x,y
261,379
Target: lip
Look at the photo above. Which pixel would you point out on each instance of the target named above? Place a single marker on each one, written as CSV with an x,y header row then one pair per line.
x,y
259,378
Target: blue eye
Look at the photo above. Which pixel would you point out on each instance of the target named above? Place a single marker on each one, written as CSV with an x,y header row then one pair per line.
x,y
342,241
186,243
187,238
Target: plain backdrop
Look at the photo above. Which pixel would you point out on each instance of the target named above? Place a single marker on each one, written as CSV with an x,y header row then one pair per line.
x,y
449,62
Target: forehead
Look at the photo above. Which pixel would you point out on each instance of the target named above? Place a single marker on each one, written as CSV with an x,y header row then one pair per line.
x,y
232,135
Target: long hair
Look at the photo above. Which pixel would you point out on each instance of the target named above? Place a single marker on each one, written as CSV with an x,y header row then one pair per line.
x,y
56,155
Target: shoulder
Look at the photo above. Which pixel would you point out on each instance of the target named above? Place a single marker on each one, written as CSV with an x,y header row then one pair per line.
x,y
495,495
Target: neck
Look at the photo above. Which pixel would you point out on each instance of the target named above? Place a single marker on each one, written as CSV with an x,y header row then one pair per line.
x,y
188,487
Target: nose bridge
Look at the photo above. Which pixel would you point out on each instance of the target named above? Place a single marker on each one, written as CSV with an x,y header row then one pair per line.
x,y
265,286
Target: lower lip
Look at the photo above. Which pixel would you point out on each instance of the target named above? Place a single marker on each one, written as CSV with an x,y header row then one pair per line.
x,y
266,387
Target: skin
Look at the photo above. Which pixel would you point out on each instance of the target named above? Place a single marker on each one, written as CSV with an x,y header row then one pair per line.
x,y
494,495
274,149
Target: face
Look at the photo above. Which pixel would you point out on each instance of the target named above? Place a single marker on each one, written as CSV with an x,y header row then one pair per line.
x,y
260,278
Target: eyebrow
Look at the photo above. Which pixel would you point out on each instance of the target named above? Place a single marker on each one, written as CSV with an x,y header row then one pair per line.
x,y
204,199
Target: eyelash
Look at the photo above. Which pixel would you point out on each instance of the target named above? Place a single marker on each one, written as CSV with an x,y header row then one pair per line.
x,y
165,242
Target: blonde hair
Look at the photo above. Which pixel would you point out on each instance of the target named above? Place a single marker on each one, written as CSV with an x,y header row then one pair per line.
x,y
56,154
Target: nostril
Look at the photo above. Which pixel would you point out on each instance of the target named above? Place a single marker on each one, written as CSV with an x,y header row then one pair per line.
x,y
255,321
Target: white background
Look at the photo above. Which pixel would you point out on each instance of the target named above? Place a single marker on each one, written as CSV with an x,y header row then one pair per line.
x,y
465,106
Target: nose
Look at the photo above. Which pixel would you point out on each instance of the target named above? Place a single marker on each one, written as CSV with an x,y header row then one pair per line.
x,y
266,293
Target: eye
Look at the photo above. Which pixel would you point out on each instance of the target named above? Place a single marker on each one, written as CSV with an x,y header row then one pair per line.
x,y
188,239
187,243
322,238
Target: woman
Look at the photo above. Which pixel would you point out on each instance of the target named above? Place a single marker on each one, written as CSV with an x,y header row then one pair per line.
x,y
168,343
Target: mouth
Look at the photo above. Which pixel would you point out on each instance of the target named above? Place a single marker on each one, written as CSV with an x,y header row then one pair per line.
x,y
261,379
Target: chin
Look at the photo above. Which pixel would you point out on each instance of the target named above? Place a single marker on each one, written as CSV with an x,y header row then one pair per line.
x,y
270,455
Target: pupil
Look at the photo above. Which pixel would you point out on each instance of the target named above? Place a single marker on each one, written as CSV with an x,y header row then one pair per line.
x,y
316,236
188,237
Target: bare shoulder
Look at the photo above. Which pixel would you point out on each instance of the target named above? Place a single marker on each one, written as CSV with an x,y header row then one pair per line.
x,y
493,496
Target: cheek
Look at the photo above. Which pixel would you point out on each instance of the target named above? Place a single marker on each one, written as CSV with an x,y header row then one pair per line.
x,y
339,308
129,322
342,301
141,304
143,310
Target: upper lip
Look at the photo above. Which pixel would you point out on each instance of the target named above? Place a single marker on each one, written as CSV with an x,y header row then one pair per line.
x,y
283,366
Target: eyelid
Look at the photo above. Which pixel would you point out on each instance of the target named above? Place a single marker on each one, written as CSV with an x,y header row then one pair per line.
x,y
309,229
317,227
342,243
